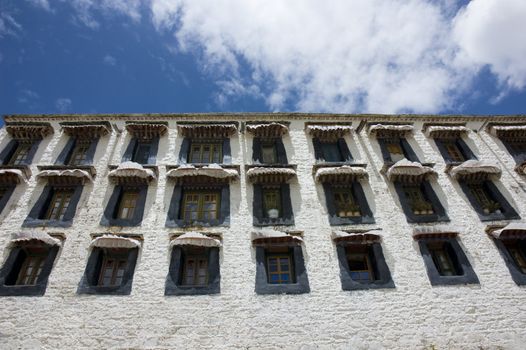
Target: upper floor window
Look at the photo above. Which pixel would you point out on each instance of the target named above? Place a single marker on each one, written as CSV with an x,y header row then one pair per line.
x,y
200,206
25,138
454,150
270,151
417,199
126,205
487,200
82,143
206,143
279,266
144,141
59,203
395,149
332,150
113,266
513,138
206,152
20,154
128,202
511,242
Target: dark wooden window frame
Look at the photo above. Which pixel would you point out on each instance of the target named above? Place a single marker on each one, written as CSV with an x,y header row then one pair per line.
x,y
376,256
287,215
184,153
37,215
366,216
174,218
517,275
131,151
11,147
458,257
12,266
507,211
65,156
460,144
89,283
439,213
257,150
301,282
8,191
110,217
174,281
345,153
404,144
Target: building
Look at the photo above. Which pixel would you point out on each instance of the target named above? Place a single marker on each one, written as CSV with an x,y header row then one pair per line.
x,y
263,231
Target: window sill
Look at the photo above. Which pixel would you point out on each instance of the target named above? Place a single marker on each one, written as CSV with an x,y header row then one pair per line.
x,y
323,164
89,168
24,168
46,223
23,291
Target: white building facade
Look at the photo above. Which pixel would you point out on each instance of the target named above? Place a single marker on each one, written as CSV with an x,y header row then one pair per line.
x,y
263,231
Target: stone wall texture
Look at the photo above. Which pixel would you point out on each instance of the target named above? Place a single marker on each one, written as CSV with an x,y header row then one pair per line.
x,y
414,315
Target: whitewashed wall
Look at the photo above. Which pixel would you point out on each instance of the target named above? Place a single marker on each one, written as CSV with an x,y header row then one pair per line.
x,y
414,315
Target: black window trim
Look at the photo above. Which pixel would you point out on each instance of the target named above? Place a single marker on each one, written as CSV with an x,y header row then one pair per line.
x,y
89,282
404,144
66,153
439,214
9,189
343,147
257,157
12,145
132,147
259,219
466,151
507,212
302,281
384,279
173,218
367,216
187,142
35,218
109,216
468,277
516,274
173,285
40,287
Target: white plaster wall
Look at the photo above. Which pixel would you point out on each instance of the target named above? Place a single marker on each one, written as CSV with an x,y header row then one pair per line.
x,y
414,315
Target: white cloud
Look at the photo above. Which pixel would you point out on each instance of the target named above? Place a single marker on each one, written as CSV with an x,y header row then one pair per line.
x,y
86,9
27,96
8,25
44,4
63,104
493,32
109,60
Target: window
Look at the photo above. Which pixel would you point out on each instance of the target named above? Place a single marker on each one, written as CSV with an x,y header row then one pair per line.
x,y
454,150
332,151
142,150
487,200
113,267
21,153
126,206
346,205
203,205
55,207
5,194
395,149
206,152
419,202
281,269
513,251
128,203
59,204
269,151
272,205
200,206
79,154
194,270
362,266
27,269
109,271
517,250
445,261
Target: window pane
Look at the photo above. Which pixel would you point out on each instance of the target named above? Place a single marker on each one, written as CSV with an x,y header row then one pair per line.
x,y
418,202
79,154
272,203
484,199
269,153
206,152
442,259
331,152
142,153
345,203
113,268
279,269
59,204
454,151
359,261
395,150
127,204
21,153
200,206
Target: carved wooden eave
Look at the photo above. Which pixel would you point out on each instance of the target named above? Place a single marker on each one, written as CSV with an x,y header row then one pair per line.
x,y
187,174
437,231
389,130
329,132
86,130
507,131
12,176
267,130
195,239
115,241
514,230
409,172
29,131
365,237
131,173
444,131
35,236
66,176
147,131
521,168
274,237
207,130
475,170
340,174
270,175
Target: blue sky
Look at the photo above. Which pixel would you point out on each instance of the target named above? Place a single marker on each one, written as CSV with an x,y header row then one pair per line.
x,y
113,56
